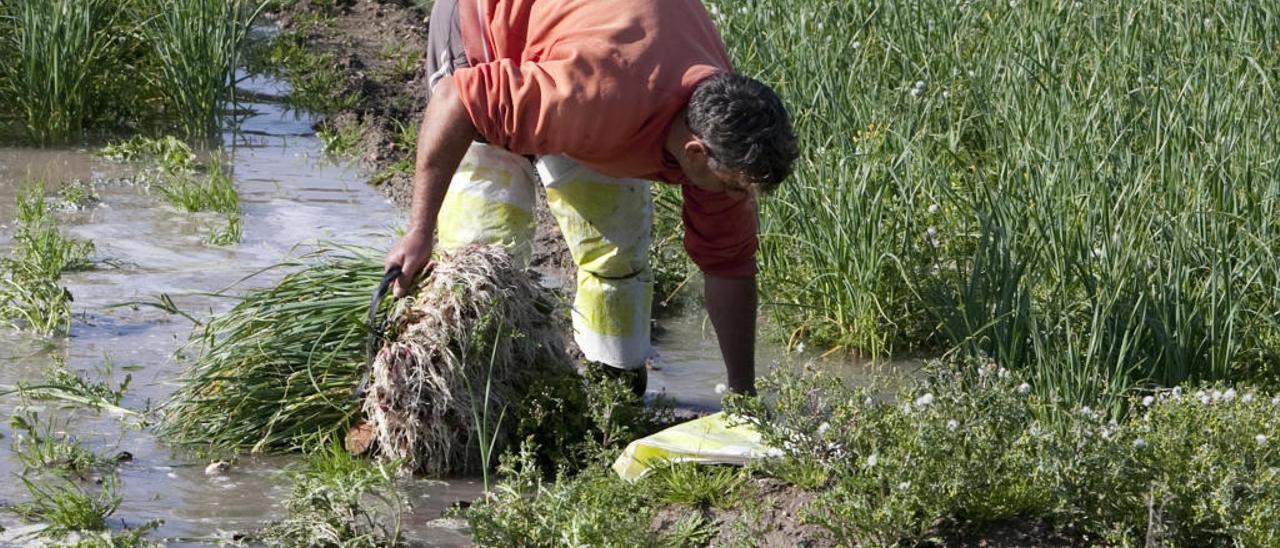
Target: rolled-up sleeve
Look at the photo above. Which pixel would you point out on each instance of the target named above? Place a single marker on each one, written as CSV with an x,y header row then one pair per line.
x,y
720,232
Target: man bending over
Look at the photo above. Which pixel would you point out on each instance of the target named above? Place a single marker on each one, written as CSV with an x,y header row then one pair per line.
x,y
596,98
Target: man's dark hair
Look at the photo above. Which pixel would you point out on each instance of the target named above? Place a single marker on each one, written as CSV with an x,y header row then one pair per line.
x,y
745,126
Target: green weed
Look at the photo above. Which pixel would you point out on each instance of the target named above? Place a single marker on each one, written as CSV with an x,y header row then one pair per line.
x,y
30,294
405,147
208,191
339,500
231,233
972,444
168,153
593,508
340,140
67,507
696,484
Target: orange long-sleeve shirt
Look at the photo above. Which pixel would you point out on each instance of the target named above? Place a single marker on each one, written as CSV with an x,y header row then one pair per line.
x,y
601,81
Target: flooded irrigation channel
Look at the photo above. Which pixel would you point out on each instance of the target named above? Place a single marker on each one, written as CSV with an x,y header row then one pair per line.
x,y
290,195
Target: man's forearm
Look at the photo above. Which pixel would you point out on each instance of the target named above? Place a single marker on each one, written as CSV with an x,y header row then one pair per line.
x,y
443,138
731,303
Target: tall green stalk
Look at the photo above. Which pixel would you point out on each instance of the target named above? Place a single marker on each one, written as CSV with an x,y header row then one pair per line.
x,y
1086,190
198,45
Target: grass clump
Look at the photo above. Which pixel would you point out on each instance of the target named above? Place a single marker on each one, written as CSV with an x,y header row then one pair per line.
x,y
197,51
58,53
72,65
39,446
282,364
339,500
30,294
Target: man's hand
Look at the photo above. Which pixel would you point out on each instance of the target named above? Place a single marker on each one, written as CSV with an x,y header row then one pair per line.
x,y
413,255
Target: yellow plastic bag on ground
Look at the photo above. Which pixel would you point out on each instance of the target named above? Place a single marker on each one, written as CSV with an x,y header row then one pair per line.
x,y
708,440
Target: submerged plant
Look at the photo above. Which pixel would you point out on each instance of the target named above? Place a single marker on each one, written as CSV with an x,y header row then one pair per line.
x,y
41,447
30,293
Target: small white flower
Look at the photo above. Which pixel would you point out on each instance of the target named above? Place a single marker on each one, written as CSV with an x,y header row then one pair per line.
x,y
1086,411
822,428
1247,398
1177,391
1261,439
925,400
1002,373
1147,401
971,73
919,84
856,44
931,232
800,347
933,208
1208,21
1275,400
946,94
906,407
1229,395
872,460
1024,388
1099,253
915,92
1139,443
869,401
1217,395
904,486
952,425
721,388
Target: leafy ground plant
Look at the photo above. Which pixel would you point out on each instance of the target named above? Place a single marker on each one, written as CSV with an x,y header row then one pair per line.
x,y
340,500
969,446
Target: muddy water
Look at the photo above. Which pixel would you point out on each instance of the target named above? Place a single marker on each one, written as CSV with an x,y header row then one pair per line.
x,y
290,194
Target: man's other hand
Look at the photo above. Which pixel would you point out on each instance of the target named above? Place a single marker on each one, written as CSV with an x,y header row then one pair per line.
x,y
413,255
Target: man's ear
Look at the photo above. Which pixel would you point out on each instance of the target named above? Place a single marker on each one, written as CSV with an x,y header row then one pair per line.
x,y
695,149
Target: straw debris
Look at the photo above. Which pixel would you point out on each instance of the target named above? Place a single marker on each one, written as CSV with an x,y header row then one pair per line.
x,y
467,347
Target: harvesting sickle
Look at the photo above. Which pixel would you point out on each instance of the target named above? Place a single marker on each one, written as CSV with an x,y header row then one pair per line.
x,y
376,322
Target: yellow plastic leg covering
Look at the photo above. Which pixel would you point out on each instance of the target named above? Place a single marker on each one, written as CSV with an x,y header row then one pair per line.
x,y
606,222
490,201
